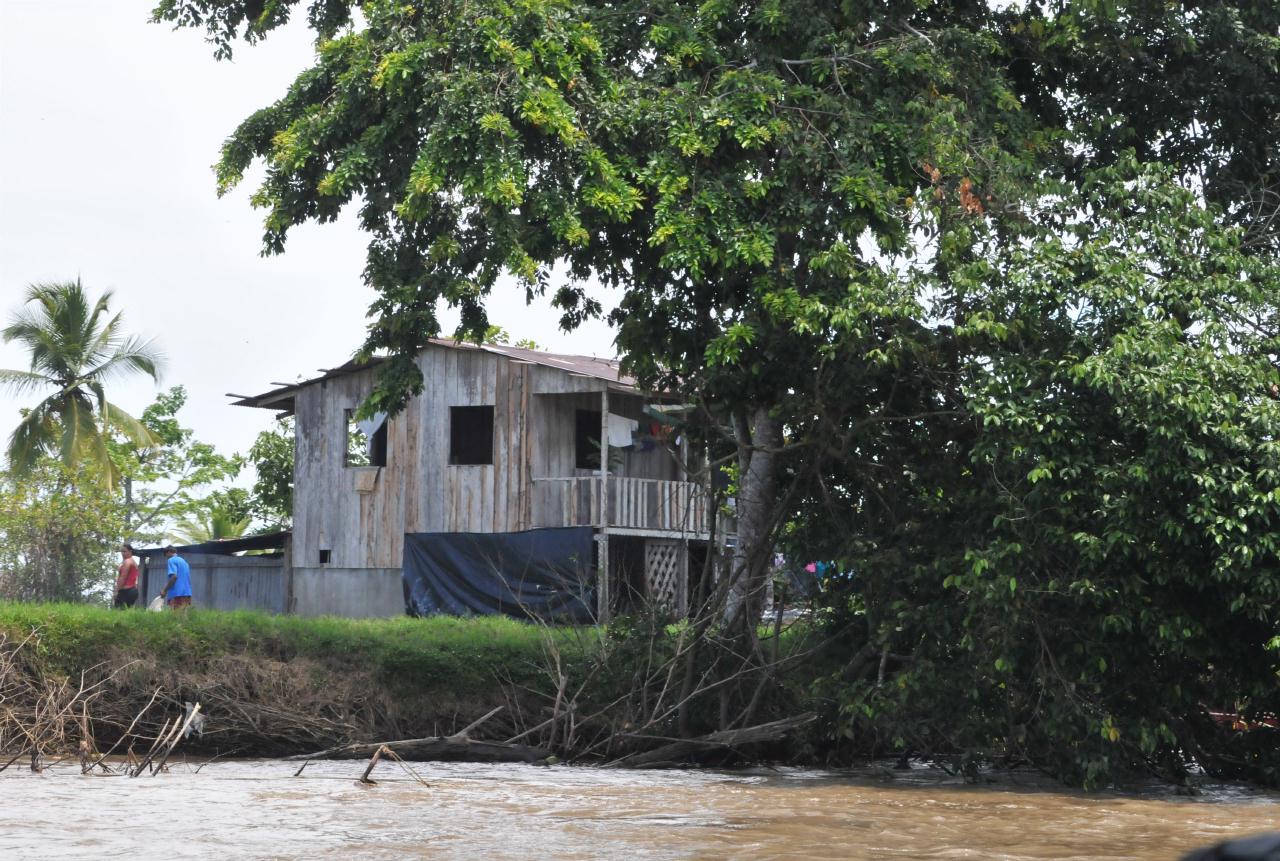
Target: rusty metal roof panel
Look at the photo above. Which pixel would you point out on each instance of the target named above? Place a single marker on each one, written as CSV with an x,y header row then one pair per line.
x,y
608,370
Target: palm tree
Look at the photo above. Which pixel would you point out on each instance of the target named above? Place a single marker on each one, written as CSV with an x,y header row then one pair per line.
x,y
215,525
76,348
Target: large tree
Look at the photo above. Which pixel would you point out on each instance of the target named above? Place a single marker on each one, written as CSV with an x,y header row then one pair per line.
x,y
839,227
77,347
720,162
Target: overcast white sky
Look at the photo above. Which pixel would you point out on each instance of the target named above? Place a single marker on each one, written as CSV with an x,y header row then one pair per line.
x,y
108,128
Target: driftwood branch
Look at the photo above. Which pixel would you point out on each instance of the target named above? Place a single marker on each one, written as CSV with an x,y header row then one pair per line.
x,y
377,754
456,747
466,730
725,739
179,735
129,731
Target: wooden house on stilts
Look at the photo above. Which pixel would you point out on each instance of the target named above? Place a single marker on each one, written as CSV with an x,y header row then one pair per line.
x,y
488,493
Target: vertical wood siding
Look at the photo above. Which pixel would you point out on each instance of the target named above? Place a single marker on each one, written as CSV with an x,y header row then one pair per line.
x,y
360,514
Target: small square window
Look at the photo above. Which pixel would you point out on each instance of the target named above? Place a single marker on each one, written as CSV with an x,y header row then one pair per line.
x,y
470,436
324,557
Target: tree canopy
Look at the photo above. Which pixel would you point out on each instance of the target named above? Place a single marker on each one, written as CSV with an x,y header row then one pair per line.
x,y
77,347
271,500
981,296
166,478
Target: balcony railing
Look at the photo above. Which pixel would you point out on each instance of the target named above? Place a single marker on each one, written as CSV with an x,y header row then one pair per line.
x,y
643,504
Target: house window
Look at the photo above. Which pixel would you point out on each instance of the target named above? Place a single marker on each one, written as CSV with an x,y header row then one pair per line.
x,y
470,436
366,440
586,439
324,557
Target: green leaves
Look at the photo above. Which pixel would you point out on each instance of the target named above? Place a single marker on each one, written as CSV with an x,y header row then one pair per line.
x,y
167,478
1026,374
75,348
58,528
1110,548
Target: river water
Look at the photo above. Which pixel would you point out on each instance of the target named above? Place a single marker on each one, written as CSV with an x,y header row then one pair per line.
x,y
257,809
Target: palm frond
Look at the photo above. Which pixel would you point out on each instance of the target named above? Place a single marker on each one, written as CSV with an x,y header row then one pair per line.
x,y
107,341
95,387
75,415
97,451
71,319
35,435
33,330
132,429
213,525
133,355
19,382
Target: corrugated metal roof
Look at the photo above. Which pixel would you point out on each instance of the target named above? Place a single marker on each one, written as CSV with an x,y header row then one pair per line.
x,y
224,546
608,370
588,366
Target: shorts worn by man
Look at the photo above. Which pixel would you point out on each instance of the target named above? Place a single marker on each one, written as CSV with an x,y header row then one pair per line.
x,y
177,589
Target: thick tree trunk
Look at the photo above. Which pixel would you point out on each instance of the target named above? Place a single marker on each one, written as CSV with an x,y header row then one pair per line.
x,y
759,438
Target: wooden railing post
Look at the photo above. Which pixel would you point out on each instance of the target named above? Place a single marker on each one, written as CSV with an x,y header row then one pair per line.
x,y
602,573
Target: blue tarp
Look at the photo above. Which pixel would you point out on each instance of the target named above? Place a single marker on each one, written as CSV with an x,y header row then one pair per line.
x,y
542,573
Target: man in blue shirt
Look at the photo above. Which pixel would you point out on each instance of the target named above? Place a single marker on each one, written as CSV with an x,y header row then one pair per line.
x,y
177,590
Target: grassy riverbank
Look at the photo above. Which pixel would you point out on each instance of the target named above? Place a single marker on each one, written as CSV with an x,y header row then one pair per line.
x,y
443,653
282,684
272,685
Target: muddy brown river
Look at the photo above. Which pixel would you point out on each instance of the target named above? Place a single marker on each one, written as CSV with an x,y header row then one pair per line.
x,y
257,809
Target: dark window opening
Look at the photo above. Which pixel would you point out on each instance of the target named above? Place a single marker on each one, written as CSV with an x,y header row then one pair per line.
x,y
366,440
470,436
324,557
586,439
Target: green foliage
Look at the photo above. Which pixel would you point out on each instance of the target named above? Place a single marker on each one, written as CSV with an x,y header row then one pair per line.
x,y
220,515
166,477
499,335
76,347
59,529
960,252
1192,87
488,138
1088,560
271,500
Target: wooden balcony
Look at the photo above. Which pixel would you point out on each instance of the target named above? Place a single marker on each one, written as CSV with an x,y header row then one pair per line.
x,y
641,506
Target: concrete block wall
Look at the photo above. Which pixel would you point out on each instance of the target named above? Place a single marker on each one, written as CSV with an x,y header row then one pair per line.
x,y
358,593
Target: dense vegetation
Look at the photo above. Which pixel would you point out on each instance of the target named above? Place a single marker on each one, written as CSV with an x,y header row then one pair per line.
x,y
977,300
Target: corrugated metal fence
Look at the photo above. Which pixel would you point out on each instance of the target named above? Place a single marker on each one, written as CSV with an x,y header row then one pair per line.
x,y
226,582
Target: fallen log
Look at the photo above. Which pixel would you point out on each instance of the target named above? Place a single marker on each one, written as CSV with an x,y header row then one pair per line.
x,y
667,754
455,748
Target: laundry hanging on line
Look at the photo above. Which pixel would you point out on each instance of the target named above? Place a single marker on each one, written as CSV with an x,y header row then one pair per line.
x,y
620,430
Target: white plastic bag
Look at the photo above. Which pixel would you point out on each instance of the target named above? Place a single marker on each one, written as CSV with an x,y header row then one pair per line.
x,y
156,605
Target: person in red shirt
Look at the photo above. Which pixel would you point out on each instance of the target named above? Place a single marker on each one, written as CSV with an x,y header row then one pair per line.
x,y
126,579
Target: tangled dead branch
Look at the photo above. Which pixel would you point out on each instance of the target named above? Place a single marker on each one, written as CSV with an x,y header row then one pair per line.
x,y
45,716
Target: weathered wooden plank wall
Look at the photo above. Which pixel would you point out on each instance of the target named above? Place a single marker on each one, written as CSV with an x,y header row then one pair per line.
x,y
356,513
360,514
